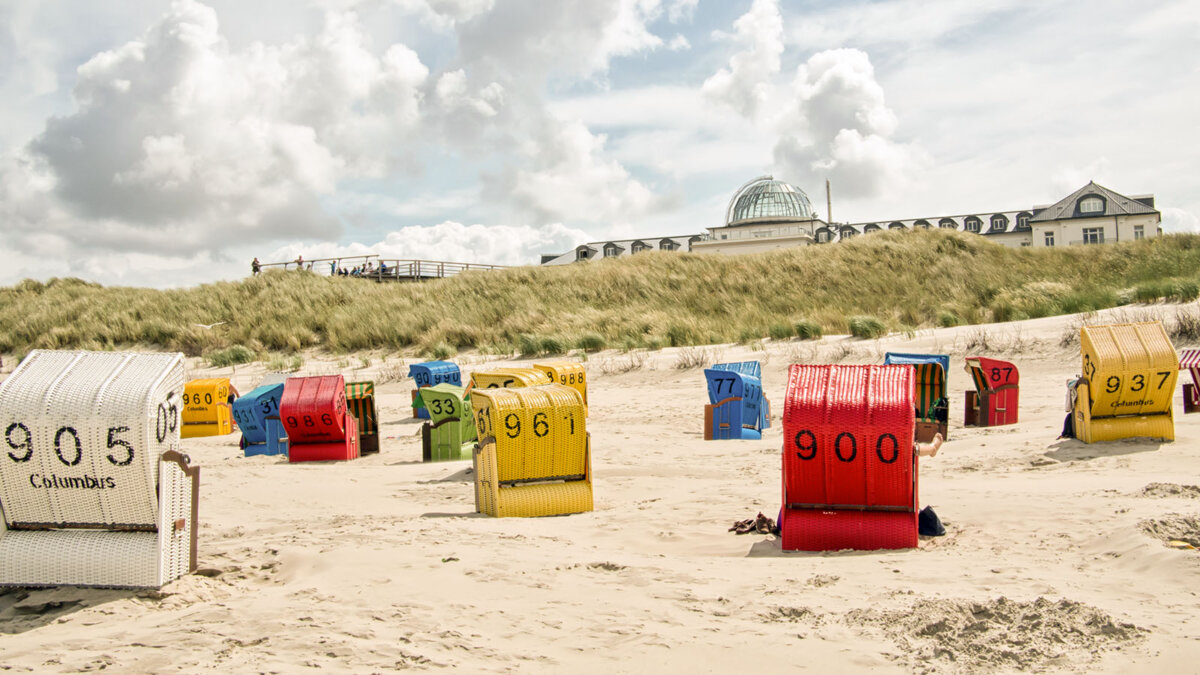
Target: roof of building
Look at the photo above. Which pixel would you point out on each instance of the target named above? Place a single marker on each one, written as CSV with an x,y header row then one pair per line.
x,y
1114,205
765,199
623,247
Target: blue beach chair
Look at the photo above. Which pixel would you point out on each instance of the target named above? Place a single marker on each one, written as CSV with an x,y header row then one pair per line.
x,y
735,410
257,415
428,374
753,369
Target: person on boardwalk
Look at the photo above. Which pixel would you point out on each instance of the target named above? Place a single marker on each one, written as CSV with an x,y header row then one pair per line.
x,y
255,266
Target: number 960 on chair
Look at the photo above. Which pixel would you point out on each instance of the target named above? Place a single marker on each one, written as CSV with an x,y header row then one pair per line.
x,y
534,451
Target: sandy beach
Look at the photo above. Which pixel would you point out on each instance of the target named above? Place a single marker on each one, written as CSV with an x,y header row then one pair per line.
x,y
1055,557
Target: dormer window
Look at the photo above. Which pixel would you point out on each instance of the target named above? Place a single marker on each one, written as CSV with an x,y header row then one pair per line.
x,y
1091,205
999,223
581,254
972,224
667,245
638,247
947,224
611,250
1023,221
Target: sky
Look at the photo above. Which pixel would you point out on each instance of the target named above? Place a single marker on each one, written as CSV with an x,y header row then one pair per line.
x,y
166,144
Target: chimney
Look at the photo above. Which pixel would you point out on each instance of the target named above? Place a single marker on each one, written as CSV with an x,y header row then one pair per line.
x,y
828,202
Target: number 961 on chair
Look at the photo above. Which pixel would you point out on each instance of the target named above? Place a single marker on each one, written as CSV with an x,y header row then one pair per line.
x,y
534,452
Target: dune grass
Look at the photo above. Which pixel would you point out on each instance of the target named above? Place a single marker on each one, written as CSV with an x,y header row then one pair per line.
x,y
653,299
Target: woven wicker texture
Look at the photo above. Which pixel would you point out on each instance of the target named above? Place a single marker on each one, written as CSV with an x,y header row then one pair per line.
x,y
360,399
754,369
995,399
428,374
735,405
206,410
318,424
1189,360
502,378
84,431
257,415
533,458
1129,374
568,373
313,409
849,472
1132,368
449,435
91,439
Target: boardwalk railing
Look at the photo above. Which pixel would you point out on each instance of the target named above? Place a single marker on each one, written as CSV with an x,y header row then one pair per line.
x,y
380,269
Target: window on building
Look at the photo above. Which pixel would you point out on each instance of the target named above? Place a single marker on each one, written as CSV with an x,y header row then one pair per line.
x,y
948,223
999,222
581,254
822,236
667,245
763,234
1139,231
1093,235
1023,221
638,247
1091,205
724,236
972,224
611,251
1049,238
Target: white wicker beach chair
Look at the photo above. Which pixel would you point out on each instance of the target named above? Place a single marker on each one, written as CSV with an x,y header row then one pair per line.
x,y
93,488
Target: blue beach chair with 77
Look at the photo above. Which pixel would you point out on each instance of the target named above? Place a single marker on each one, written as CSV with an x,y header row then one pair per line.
x,y
736,409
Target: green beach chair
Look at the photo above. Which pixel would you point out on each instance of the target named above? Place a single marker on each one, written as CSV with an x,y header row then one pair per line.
x,y
449,435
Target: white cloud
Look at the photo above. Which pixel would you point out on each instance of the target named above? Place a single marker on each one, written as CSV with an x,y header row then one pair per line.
x,y
453,242
1179,220
839,126
681,10
745,84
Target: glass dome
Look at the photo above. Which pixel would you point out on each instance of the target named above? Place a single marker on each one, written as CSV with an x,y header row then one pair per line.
x,y
765,198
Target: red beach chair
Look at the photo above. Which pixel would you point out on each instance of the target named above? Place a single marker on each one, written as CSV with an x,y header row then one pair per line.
x,y
849,470
1189,360
995,400
318,425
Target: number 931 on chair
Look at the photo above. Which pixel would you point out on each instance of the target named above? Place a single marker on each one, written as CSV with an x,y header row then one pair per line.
x,y
93,489
534,453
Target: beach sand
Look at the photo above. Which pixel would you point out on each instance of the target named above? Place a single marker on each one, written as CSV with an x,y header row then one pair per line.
x,y
1054,558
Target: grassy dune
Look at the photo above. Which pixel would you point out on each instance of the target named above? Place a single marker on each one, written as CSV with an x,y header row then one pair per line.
x,y
899,279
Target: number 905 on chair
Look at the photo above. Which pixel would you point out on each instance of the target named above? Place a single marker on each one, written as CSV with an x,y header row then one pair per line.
x,y
93,489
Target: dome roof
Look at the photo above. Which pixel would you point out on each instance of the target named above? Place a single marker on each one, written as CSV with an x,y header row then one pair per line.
x,y
765,198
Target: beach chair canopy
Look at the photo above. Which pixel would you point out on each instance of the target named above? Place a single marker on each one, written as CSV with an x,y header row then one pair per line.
x,y
931,374
430,373
533,457
252,410
568,373
995,400
753,368
1131,368
360,401
92,487
450,432
206,410
987,374
318,423
1189,360
849,472
503,378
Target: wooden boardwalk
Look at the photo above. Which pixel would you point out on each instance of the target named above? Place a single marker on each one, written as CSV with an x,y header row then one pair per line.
x,y
374,268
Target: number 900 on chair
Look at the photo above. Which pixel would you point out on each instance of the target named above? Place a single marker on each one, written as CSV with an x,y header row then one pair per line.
x,y
534,452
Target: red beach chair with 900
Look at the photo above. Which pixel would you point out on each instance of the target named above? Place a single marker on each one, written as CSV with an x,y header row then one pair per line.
x,y
318,425
849,470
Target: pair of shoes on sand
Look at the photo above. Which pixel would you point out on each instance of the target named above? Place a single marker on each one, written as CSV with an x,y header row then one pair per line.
x,y
757,525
